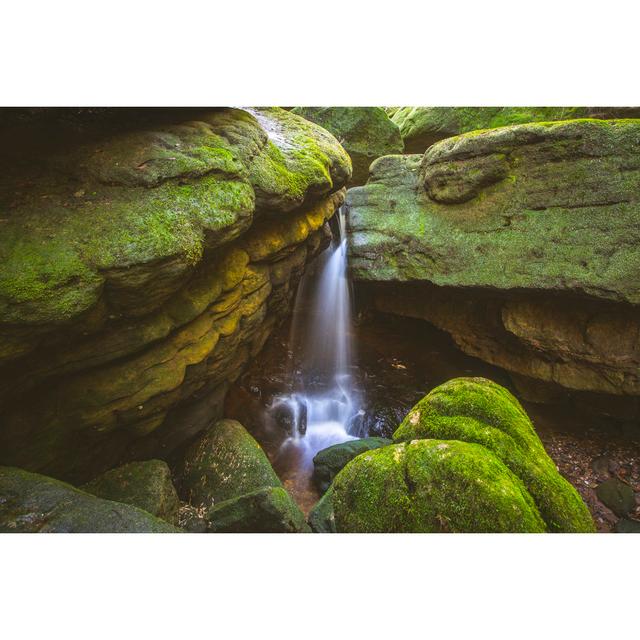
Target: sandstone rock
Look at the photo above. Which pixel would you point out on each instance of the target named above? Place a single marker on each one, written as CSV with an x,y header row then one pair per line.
x,y
32,503
480,411
146,485
144,268
366,133
224,464
617,495
421,127
522,242
267,510
328,462
468,459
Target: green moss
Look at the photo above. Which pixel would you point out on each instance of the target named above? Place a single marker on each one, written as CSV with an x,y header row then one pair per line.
x,y
225,463
267,510
365,132
146,485
432,486
480,411
420,127
33,503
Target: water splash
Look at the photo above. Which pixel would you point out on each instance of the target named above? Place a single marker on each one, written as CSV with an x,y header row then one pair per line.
x,y
323,407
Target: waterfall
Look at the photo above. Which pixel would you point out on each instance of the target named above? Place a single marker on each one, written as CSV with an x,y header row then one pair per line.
x,y
323,406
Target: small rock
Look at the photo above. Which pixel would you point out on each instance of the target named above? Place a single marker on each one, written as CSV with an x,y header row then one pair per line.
x,y
617,495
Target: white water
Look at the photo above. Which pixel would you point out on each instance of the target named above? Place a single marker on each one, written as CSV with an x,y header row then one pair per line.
x,y
321,409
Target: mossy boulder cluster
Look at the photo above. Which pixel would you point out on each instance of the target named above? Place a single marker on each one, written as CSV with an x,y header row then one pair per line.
x,y
523,243
366,133
465,459
227,477
32,503
140,273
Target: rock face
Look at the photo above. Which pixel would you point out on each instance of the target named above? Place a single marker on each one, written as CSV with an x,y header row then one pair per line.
x,y
365,132
146,485
226,476
142,271
225,463
521,242
467,459
268,510
421,127
32,503
328,462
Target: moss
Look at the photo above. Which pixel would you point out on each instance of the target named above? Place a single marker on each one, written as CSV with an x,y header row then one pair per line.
x,y
148,197
267,510
432,486
555,210
365,132
421,127
480,411
146,485
225,463
33,503
328,462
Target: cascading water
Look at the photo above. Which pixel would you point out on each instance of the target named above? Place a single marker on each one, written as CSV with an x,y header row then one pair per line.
x,y
323,407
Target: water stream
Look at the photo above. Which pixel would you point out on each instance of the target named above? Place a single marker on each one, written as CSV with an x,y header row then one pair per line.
x,y
322,407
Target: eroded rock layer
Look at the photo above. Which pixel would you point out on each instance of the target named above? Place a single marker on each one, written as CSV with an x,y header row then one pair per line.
x,y
522,242
140,274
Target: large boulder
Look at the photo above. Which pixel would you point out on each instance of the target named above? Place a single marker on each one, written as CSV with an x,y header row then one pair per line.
x,y
420,127
366,133
146,485
432,486
479,411
32,503
522,242
267,510
142,271
328,462
224,463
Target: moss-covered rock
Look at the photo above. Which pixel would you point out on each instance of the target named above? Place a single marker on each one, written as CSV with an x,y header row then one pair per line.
x,y
432,486
225,463
152,196
476,410
267,510
32,503
139,268
365,132
532,229
146,485
420,127
329,461
322,518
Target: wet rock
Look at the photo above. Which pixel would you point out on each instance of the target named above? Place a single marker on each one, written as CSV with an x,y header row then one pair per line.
x,y
322,517
617,495
366,133
146,485
223,464
328,462
267,510
627,525
32,503
480,411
